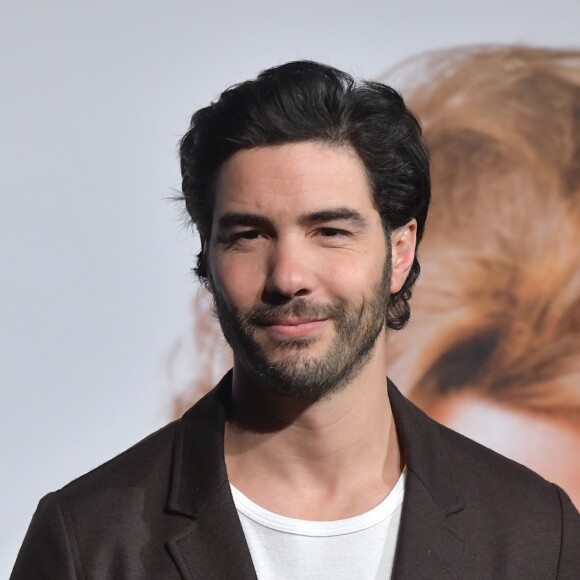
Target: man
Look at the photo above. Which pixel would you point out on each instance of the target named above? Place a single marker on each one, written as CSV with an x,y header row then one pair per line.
x,y
310,193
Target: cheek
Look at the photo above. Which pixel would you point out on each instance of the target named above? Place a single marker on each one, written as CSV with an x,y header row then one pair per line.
x,y
352,279
239,279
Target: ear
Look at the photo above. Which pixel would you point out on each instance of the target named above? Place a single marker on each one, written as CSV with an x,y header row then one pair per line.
x,y
403,244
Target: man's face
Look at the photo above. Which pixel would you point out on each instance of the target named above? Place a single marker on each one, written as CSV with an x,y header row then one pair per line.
x,y
299,266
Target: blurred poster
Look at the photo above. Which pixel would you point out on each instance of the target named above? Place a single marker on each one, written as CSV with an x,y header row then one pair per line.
x,y
493,346
493,349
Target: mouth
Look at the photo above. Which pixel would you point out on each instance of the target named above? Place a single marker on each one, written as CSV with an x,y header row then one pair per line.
x,y
295,326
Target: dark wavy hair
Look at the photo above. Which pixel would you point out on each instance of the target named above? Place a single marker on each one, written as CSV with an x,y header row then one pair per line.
x,y
308,101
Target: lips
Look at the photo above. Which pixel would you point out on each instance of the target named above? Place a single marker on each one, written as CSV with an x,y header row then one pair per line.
x,y
295,326
299,318
291,321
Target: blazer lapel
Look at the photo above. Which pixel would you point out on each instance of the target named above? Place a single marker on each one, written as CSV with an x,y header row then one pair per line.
x,y
213,546
429,545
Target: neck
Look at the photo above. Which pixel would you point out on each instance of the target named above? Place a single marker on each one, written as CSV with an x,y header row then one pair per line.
x,y
339,456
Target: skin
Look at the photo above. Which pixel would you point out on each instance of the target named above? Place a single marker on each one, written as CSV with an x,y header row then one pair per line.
x,y
336,456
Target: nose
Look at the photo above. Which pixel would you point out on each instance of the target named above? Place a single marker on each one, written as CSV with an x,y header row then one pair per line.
x,y
289,272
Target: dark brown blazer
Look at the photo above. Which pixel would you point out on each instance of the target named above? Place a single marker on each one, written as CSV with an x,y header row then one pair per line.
x,y
163,510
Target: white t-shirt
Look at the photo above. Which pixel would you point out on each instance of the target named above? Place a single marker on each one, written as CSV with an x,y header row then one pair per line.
x,y
357,548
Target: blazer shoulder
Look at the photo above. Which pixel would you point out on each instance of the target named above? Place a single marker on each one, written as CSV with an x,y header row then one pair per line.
x,y
494,485
150,465
488,466
82,529
503,506
485,479
137,466
525,508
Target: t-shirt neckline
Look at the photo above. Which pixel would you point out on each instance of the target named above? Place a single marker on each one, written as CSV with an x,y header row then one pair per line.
x,y
301,527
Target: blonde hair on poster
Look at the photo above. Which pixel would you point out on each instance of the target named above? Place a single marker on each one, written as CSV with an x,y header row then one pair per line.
x,y
498,302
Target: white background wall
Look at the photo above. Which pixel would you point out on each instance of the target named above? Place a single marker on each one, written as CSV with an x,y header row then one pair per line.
x,y
94,264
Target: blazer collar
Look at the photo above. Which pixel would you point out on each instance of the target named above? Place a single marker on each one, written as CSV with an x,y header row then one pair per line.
x,y
428,545
199,468
213,546
425,454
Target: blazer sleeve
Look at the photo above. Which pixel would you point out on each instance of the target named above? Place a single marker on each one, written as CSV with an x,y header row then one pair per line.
x,y
47,552
569,565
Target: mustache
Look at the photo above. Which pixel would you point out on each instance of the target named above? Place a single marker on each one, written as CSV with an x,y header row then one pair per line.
x,y
265,314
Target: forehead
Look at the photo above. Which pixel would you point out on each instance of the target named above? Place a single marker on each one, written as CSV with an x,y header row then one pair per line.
x,y
294,177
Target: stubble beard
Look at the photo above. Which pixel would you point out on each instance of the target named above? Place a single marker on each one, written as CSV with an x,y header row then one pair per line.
x,y
297,373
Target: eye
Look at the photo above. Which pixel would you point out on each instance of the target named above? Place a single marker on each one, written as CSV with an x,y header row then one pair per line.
x,y
241,237
247,235
332,233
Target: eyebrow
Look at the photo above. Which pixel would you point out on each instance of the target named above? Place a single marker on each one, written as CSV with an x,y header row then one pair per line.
x,y
330,215
233,219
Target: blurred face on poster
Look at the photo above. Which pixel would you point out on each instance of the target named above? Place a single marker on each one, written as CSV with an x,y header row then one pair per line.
x,y
493,346
495,349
